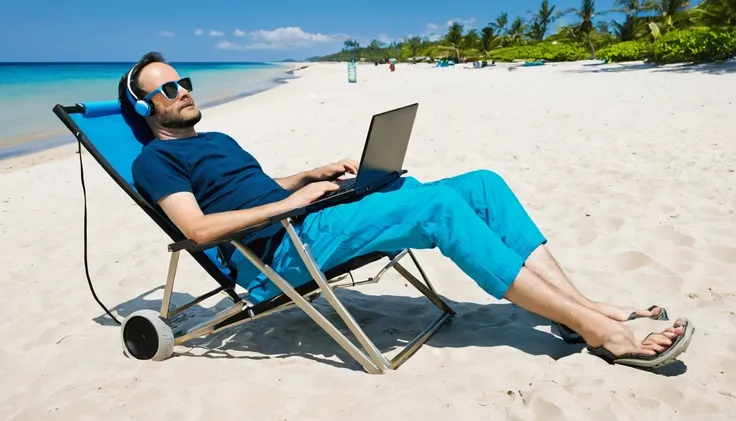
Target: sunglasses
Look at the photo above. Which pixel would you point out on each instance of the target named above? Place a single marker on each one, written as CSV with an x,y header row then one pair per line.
x,y
171,89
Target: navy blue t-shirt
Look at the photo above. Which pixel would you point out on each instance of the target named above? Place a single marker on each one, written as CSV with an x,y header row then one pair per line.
x,y
214,167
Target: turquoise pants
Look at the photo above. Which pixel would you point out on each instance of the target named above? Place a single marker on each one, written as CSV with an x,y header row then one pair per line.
x,y
474,219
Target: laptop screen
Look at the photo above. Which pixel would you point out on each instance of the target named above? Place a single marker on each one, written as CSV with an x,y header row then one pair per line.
x,y
387,142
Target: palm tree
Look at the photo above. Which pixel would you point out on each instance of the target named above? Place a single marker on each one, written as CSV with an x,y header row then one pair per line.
x,y
500,23
630,7
414,44
515,33
393,49
471,39
535,31
454,38
542,19
631,29
567,33
375,45
586,14
351,44
716,12
669,10
488,39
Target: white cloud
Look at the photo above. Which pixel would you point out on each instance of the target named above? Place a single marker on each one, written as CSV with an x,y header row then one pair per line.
x,y
466,23
287,38
167,34
198,32
239,33
227,45
435,32
385,38
432,31
214,33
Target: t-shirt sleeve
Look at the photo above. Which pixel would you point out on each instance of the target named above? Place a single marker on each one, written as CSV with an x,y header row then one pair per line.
x,y
157,175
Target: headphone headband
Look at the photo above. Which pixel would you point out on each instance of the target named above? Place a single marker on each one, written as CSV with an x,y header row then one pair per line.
x,y
130,73
144,107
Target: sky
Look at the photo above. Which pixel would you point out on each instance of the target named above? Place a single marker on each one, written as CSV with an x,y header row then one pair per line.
x,y
232,30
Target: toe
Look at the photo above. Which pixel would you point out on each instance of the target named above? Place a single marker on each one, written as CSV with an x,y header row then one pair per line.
x,y
647,313
657,339
654,312
648,349
672,335
653,347
680,323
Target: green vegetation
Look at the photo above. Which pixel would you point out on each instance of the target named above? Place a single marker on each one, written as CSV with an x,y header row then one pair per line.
x,y
542,51
626,51
700,44
659,31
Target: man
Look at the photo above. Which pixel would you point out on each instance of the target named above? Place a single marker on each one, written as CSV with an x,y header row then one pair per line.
x,y
209,186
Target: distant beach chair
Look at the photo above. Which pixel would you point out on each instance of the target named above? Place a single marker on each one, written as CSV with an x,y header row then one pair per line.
x,y
151,335
533,63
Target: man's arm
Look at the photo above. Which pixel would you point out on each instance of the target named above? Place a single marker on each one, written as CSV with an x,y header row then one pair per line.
x,y
327,172
184,211
297,181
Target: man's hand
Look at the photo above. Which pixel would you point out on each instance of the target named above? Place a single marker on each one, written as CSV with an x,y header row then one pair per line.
x,y
329,172
310,193
335,170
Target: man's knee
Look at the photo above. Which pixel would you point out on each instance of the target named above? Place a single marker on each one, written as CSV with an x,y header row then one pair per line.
x,y
490,179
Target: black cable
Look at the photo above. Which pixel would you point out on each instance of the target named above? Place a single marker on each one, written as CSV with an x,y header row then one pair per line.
x,y
86,266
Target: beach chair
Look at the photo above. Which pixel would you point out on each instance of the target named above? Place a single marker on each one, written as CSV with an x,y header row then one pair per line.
x,y
151,335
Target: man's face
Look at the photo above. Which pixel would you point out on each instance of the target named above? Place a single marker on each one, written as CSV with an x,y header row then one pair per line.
x,y
177,113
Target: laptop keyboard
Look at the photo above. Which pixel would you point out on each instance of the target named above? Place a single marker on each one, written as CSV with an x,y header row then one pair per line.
x,y
344,185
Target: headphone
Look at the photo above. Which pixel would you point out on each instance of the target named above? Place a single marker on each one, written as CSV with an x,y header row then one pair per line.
x,y
144,107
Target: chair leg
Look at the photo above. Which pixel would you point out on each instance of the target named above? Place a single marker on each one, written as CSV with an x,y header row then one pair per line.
x,y
169,288
378,358
319,277
166,311
428,291
430,294
307,308
419,268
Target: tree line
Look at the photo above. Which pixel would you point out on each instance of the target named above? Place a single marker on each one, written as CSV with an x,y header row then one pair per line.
x,y
640,21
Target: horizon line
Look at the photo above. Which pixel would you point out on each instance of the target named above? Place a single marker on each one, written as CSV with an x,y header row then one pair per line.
x,y
134,61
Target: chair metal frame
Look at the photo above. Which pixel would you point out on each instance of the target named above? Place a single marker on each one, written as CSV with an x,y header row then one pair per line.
x,y
372,360
365,352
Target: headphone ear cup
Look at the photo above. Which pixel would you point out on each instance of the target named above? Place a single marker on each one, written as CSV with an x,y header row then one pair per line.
x,y
144,108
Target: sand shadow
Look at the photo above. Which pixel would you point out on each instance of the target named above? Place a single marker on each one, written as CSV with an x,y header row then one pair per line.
x,y
612,68
706,68
291,333
709,68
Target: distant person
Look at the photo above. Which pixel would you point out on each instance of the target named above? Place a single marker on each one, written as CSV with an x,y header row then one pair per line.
x,y
209,187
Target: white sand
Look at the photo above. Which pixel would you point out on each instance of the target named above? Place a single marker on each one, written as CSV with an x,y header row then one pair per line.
x,y
630,175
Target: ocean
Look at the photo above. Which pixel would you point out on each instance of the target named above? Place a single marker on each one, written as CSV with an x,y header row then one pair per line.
x,y
29,91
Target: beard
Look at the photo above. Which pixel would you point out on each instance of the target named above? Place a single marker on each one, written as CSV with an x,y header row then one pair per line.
x,y
180,119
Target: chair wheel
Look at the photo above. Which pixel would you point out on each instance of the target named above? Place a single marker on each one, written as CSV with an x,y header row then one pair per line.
x,y
147,336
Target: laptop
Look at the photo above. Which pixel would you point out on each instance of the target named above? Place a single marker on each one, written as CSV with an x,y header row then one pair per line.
x,y
382,159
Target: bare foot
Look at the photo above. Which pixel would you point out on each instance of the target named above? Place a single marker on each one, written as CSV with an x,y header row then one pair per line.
x,y
619,339
622,314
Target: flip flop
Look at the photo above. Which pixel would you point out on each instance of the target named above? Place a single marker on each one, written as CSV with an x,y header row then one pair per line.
x,y
570,336
642,361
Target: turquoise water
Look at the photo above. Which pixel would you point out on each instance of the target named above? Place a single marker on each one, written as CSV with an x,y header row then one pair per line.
x,y
29,91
